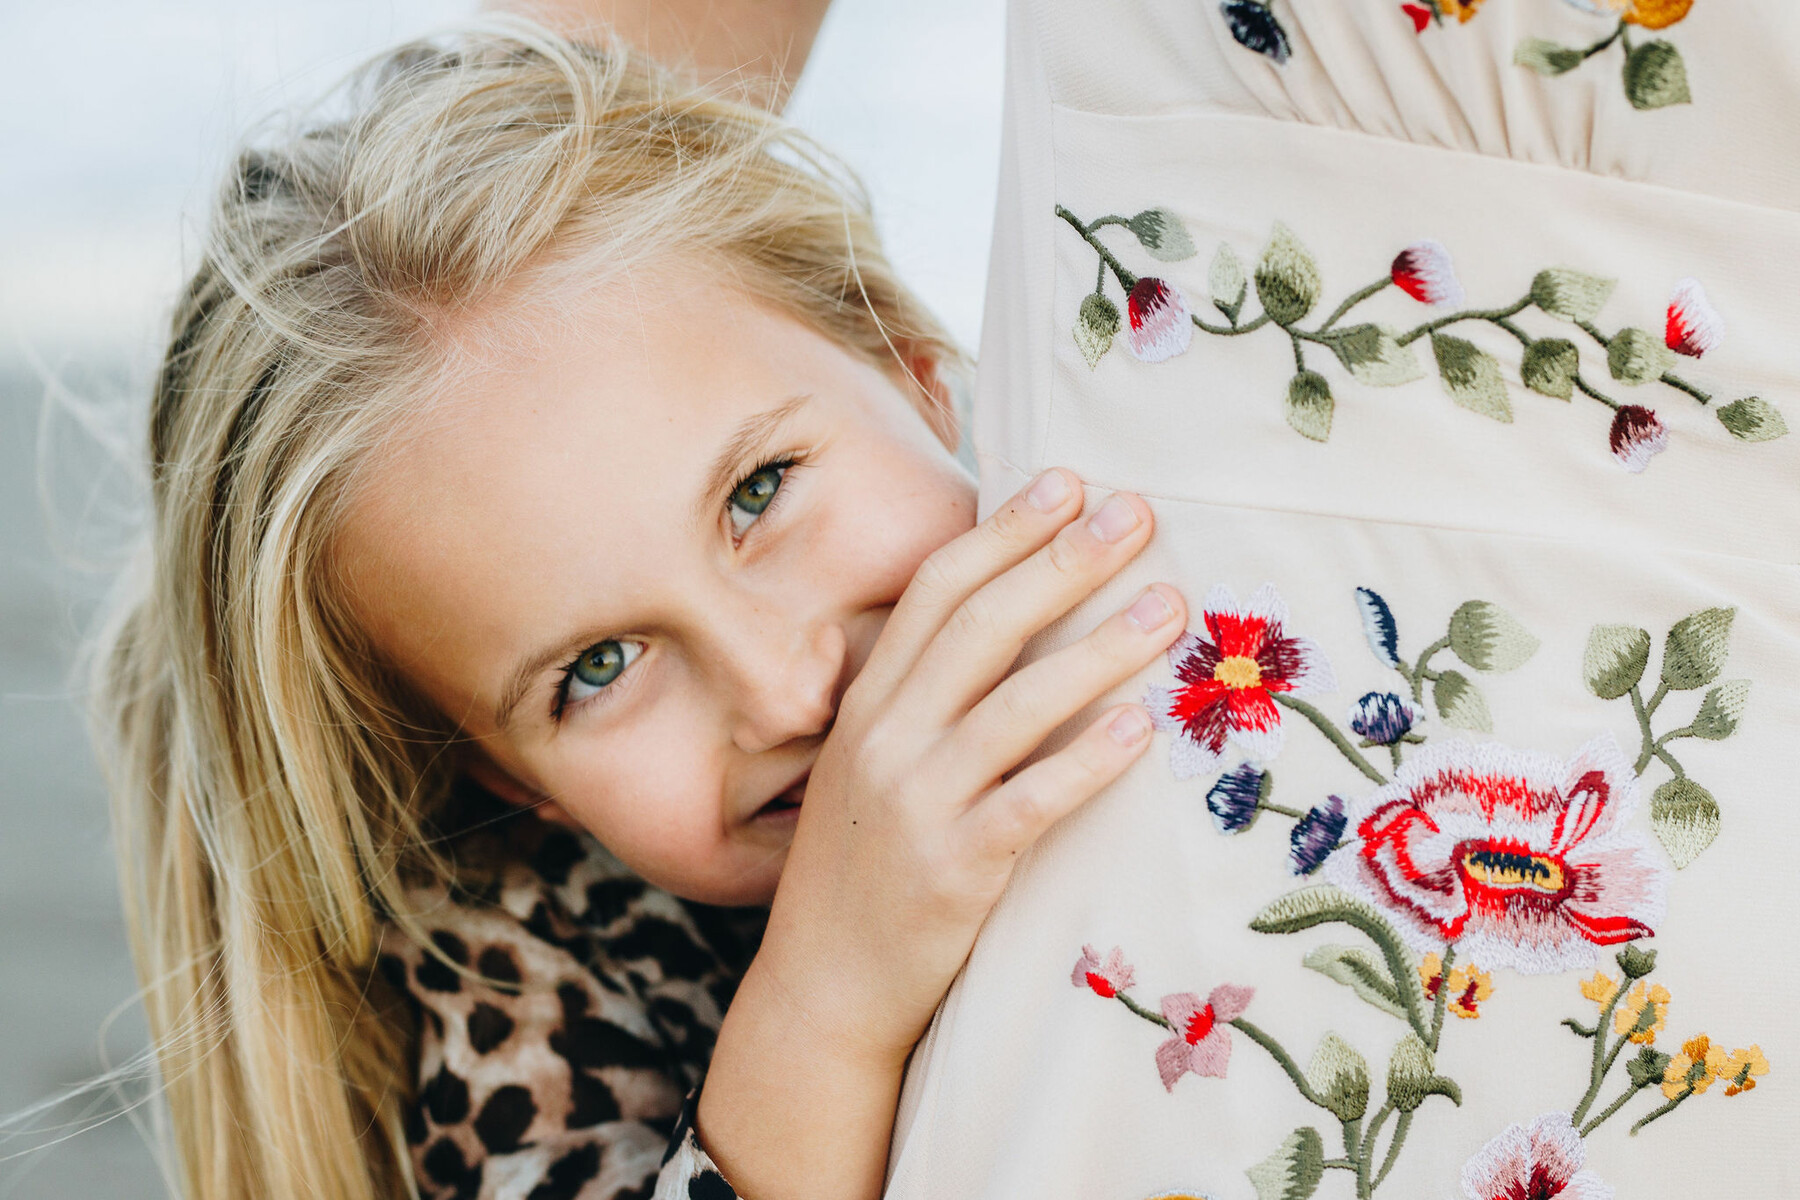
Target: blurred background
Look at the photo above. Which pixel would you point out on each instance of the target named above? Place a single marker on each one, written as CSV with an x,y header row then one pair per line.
x,y
115,119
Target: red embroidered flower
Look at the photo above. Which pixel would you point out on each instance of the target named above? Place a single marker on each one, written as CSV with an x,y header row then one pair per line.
x,y
1228,678
1162,326
1106,979
1694,326
1421,16
1200,1045
1520,860
1424,271
1539,1161
1638,435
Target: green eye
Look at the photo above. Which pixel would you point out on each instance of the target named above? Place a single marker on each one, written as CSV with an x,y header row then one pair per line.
x,y
598,667
753,495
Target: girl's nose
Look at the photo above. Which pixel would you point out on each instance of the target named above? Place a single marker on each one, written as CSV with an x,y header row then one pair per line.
x,y
786,688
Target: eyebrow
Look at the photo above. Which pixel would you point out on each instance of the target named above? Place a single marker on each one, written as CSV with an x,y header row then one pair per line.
x,y
750,436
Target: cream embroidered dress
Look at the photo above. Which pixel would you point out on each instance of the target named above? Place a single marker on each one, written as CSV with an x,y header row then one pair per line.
x,y
1451,342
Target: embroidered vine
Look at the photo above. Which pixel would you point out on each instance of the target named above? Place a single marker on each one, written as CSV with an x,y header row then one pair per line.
x,y
1159,323
1654,73
1464,860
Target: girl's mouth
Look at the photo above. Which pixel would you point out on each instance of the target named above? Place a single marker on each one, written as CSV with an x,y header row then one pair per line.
x,y
785,805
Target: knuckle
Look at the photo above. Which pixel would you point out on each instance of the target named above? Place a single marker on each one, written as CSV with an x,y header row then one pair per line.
x,y
975,620
1065,557
934,576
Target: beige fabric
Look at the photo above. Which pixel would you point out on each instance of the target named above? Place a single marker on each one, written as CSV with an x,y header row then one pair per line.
x,y
1373,138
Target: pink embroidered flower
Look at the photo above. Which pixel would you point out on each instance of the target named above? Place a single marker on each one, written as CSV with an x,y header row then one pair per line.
x,y
1228,678
1200,1044
1638,435
1105,978
1695,326
1424,271
1520,860
1161,324
1539,1161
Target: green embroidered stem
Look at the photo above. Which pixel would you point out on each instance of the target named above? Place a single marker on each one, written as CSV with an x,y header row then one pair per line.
x,y
1353,1144
1324,726
1681,385
1365,1154
1281,810
1608,1112
1100,277
1603,43
1423,671
1355,299
1299,351
1664,1111
1588,389
1338,1164
1282,1060
1652,745
1491,315
1602,1060
1394,753
1126,279
1155,1018
1525,339
1443,997
1593,331
1401,1128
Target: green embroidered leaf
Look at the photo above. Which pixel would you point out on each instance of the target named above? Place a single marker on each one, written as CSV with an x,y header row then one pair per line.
x,y
1357,970
1753,420
1460,703
1293,1172
1696,649
1225,280
1309,405
1287,279
1489,638
1374,356
1686,819
1162,234
1571,295
1095,327
1635,962
1546,57
1648,1067
1550,367
1656,77
1412,1076
1638,356
1617,656
1722,709
1313,906
1471,376
1340,1075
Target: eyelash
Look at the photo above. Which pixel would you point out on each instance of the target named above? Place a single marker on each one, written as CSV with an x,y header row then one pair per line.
x,y
781,462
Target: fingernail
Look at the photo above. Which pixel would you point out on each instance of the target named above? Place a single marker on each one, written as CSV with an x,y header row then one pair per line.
x,y
1114,520
1049,492
1150,612
1129,727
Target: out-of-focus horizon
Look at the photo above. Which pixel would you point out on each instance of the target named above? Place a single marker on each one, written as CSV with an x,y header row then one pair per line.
x,y
115,120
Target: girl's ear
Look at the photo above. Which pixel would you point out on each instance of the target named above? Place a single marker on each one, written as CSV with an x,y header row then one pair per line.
x,y
492,778
924,380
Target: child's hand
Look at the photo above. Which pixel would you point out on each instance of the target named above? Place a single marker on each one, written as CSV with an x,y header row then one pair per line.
x,y
910,829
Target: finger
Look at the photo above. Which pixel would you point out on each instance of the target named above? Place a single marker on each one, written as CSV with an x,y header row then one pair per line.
x,y
1014,719
981,640
943,581
1014,815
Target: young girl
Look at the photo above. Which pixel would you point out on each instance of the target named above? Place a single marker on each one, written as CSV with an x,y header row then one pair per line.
x,y
546,458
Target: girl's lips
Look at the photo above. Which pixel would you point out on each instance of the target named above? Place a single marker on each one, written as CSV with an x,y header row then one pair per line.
x,y
785,805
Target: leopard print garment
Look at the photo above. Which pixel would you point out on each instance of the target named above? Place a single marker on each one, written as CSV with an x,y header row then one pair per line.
x,y
560,1073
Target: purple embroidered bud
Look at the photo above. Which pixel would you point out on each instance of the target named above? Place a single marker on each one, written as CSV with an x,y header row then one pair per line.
x,y
1162,325
1316,835
1424,271
1382,718
1638,435
1254,26
1695,326
1236,798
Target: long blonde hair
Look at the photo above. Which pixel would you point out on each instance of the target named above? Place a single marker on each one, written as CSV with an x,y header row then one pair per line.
x,y
273,783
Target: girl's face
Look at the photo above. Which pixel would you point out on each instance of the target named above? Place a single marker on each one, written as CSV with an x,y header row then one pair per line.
x,y
639,558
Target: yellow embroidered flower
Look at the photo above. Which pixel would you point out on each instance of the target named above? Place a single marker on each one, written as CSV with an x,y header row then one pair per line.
x,y
1468,987
1658,14
1642,1013
1600,989
1694,1069
1741,1066
1464,10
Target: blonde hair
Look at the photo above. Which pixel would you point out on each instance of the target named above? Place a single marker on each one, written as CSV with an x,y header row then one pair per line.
x,y
273,783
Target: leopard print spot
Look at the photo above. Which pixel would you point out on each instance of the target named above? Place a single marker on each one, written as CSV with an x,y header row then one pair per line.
x,y
445,1165
610,899
504,1118
498,967
445,1097
556,856
488,1028
591,1102
567,1175
673,948
710,1185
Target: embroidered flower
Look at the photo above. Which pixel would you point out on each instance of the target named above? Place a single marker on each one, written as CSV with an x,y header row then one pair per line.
x,y
1316,835
1741,1066
1379,626
1542,1160
1424,271
1462,10
1643,1012
1468,986
1521,860
1382,718
1200,1045
1421,16
1236,798
1693,1070
1600,989
1104,978
1638,435
1228,678
1254,26
1161,324
1694,325
1658,14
